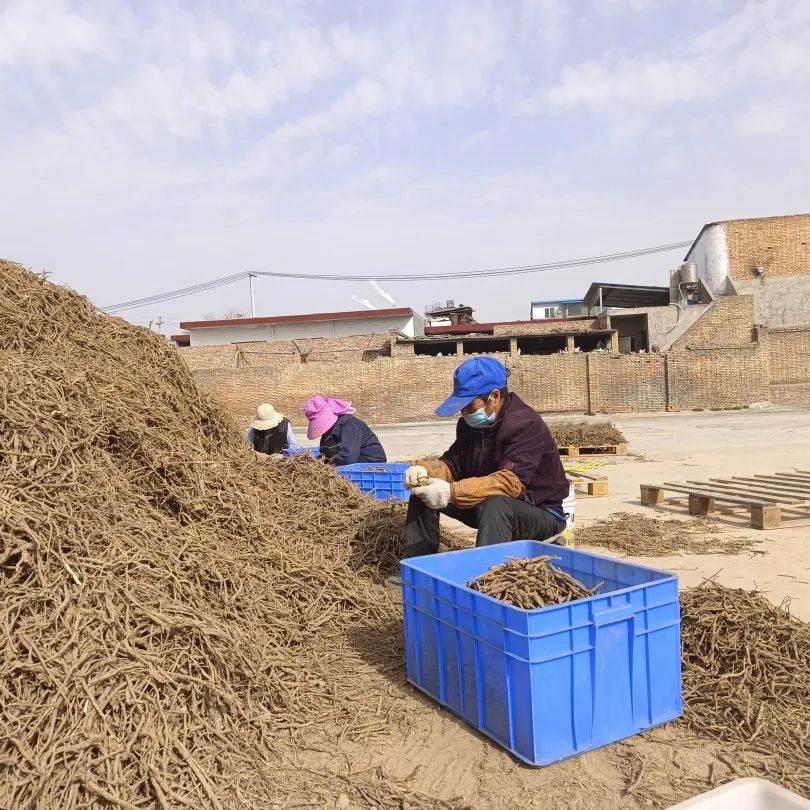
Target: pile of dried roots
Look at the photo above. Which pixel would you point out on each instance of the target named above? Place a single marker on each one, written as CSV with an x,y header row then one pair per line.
x,y
586,434
630,533
177,614
531,583
746,677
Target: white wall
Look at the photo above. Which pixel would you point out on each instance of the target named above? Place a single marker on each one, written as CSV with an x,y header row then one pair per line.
x,y
219,335
538,312
229,334
710,254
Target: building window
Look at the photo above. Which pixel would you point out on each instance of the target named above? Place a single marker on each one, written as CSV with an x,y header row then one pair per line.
x,y
545,344
550,312
434,348
486,346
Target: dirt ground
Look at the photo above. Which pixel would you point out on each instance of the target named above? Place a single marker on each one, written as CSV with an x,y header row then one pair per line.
x,y
447,759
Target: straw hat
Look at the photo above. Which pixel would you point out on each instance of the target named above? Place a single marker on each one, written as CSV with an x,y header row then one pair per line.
x,y
266,417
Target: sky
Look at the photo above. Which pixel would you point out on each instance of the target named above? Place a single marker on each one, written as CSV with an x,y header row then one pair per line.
x,y
146,147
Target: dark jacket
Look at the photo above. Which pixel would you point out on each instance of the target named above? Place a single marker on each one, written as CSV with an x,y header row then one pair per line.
x,y
351,441
519,442
273,440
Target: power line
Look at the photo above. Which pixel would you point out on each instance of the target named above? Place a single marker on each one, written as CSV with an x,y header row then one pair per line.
x,y
498,271
494,272
159,298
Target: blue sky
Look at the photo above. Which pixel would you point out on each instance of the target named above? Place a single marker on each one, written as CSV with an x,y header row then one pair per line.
x,y
150,146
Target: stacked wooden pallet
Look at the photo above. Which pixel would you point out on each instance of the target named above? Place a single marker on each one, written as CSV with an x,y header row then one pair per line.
x,y
588,483
765,496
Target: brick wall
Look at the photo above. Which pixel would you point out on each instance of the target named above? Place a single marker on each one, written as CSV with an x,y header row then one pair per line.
x,y
303,350
392,389
571,327
727,322
789,352
621,383
717,378
705,370
780,244
551,383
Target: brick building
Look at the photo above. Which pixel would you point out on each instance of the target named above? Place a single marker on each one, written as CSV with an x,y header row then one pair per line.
x,y
768,258
275,328
725,341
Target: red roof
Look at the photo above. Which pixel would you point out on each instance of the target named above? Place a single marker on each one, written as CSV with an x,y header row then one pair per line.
x,y
182,340
315,316
468,328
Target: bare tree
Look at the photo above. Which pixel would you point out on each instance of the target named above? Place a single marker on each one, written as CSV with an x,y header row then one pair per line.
x,y
231,314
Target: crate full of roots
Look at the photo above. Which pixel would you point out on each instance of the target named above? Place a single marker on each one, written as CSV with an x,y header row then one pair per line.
x,y
547,650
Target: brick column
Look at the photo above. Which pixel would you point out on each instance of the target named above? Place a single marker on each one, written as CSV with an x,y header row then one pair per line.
x,y
459,347
513,350
614,342
569,343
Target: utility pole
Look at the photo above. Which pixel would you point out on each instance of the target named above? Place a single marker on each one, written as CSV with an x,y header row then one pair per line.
x,y
251,276
158,322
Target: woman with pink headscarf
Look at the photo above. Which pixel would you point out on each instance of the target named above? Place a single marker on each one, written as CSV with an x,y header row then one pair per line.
x,y
345,439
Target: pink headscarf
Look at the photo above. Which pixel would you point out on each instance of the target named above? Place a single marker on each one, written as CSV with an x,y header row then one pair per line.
x,y
322,413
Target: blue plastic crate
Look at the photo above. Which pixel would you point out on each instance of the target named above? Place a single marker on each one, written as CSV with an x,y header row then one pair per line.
x,y
381,481
300,451
553,682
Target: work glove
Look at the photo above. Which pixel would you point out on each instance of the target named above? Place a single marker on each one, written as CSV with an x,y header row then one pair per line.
x,y
414,474
435,494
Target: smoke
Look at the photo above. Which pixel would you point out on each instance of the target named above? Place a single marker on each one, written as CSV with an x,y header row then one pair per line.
x,y
363,302
382,293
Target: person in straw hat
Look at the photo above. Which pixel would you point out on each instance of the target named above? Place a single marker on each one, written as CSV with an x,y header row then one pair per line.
x,y
345,439
270,432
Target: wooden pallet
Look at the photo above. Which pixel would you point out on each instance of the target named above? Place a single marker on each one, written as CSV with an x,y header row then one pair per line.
x,y
765,496
588,483
594,450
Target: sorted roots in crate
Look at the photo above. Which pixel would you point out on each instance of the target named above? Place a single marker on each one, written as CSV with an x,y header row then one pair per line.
x,y
630,533
586,434
531,583
746,677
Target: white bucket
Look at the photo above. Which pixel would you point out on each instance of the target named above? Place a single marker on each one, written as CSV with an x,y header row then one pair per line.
x,y
569,508
749,793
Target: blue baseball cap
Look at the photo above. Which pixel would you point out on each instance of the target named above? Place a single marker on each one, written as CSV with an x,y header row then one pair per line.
x,y
473,378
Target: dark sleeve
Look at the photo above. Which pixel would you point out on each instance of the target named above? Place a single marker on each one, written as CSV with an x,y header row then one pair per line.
x,y
452,456
350,443
525,451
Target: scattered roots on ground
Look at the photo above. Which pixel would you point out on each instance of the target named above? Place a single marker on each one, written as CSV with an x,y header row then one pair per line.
x,y
746,678
586,434
531,583
642,536
175,610
184,623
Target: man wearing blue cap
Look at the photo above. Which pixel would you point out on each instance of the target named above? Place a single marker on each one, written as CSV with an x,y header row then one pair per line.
x,y
502,475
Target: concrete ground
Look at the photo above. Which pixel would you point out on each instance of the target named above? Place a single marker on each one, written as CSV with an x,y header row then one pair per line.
x,y
443,757
680,446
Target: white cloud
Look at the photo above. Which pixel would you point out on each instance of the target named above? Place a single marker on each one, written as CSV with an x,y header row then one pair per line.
x,y
484,136
544,21
383,137
626,6
629,129
770,118
764,41
628,80
41,34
